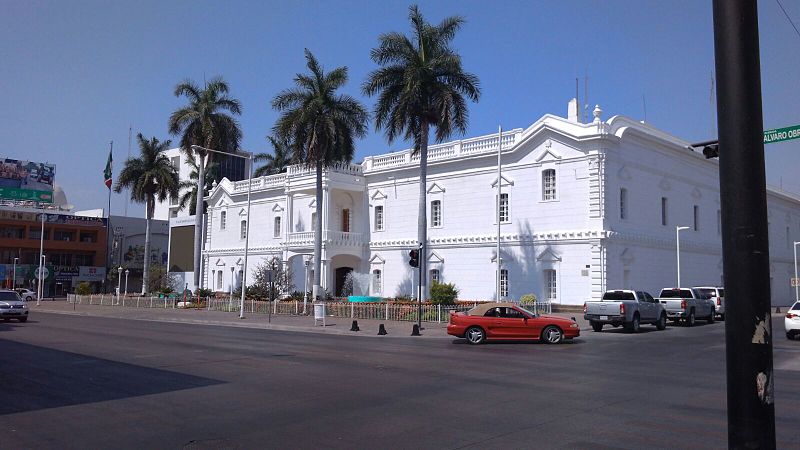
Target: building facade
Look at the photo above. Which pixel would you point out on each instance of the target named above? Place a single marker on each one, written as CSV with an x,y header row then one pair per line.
x,y
584,208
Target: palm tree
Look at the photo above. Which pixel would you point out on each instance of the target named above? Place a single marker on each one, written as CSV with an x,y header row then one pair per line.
x,y
321,125
277,161
149,177
189,187
204,122
420,85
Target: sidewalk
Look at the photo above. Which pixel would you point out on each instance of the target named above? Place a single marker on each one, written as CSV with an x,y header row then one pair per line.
x,y
333,325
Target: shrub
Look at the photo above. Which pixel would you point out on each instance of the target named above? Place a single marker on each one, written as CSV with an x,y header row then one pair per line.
x,y
527,299
83,289
297,296
443,293
167,290
204,293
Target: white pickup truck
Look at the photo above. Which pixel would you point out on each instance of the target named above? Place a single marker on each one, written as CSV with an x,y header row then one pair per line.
x,y
686,304
627,308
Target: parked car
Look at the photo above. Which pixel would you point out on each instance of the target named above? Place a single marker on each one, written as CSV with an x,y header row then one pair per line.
x,y
686,304
627,308
509,321
717,295
27,294
12,306
792,321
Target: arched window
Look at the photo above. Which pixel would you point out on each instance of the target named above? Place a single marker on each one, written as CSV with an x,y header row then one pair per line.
x,y
549,184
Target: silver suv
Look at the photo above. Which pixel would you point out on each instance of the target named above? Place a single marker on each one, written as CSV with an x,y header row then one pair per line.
x,y
717,295
12,306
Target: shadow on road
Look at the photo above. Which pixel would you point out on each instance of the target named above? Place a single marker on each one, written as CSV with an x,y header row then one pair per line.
x,y
35,378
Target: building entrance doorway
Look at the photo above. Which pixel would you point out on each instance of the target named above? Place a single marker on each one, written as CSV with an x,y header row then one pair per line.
x,y
341,275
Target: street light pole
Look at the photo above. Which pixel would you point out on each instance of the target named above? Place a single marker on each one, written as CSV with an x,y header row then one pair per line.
x,y
678,250
41,257
119,282
248,157
796,281
126,281
306,262
14,275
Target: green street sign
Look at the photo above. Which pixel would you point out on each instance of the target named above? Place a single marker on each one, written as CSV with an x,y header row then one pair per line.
x,y
26,194
782,134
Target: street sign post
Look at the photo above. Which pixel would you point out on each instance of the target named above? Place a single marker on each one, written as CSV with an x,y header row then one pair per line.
x,y
782,134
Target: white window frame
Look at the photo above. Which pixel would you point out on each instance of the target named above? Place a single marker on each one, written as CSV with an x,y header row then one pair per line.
x,y
243,229
623,203
379,217
223,218
434,275
550,285
549,185
219,280
276,227
377,286
503,283
436,213
505,216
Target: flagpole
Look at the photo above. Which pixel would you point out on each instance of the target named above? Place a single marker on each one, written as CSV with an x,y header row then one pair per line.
x,y
108,228
499,192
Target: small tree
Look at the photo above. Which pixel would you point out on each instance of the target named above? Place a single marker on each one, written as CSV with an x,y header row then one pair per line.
x,y
443,293
83,289
527,299
282,280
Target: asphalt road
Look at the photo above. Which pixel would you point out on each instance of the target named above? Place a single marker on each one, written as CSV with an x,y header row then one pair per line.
x,y
89,382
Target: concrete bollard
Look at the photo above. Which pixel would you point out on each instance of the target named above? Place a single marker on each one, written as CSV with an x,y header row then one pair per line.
x,y
382,330
415,330
355,326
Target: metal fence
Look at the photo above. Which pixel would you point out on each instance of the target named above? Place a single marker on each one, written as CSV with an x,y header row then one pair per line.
x,y
382,311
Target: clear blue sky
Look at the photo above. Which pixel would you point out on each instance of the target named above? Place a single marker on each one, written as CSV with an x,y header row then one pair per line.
x,y
75,74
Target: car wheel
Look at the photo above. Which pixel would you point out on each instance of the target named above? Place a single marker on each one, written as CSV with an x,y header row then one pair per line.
x,y
722,317
552,335
475,335
23,319
29,298
662,322
789,336
633,326
596,326
689,321
711,317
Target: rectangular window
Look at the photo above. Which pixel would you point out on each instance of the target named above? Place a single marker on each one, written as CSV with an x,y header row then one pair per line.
x,y
219,280
176,162
623,203
696,217
435,276
664,211
550,287
504,283
719,222
504,208
276,231
346,220
173,213
223,216
549,184
213,279
376,282
379,218
436,213
243,230
313,221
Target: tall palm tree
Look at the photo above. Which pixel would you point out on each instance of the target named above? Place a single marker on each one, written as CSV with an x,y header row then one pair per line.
x,y
189,187
421,84
149,177
205,122
276,162
322,125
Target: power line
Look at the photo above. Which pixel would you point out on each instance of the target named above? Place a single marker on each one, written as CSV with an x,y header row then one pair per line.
x,y
788,18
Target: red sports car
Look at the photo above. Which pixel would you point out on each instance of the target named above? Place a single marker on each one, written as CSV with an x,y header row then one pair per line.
x,y
509,321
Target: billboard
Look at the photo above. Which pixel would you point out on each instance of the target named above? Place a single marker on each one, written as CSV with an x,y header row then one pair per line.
x,y
26,180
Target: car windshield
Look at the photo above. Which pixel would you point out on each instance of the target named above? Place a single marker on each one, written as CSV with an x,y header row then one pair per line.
x,y
526,311
676,293
618,295
9,297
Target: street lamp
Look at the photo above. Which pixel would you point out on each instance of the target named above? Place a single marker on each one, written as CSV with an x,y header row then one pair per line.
x,y
248,157
42,262
126,281
796,281
306,262
40,291
14,276
119,281
678,250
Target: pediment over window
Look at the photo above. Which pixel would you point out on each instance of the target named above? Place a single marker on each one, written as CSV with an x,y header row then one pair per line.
x,y
313,203
221,203
277,208
378,195
435,258
624,174
435,189
376,259
220,262
548,255
239,262
548,155
505,182
242,212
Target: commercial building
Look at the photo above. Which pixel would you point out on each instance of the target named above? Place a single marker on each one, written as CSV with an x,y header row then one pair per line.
x,y
585,207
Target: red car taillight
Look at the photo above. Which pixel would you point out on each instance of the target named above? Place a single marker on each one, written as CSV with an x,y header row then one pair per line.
x,y
683,304
790,315
622,309
719,301
584,307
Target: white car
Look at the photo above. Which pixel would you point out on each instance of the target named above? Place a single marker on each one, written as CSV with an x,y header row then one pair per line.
x,y
717,295
27,294
792,321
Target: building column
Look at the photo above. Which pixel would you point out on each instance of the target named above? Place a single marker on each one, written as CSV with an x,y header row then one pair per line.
x,y
326,202
289,215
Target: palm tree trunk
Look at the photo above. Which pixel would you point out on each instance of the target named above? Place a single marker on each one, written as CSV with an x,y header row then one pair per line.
x,y
318,236
198,216
422,219
146,264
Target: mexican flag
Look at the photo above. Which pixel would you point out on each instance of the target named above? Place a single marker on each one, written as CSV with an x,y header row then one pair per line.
x,y
107,171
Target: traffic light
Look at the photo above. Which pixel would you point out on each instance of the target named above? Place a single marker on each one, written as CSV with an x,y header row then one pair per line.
x,y
711,151
413,256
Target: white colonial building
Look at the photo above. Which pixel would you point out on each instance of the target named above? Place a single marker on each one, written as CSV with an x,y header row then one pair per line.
x,y
585,207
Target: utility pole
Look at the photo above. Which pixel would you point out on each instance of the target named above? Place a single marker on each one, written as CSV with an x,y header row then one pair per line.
x,y
745,241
